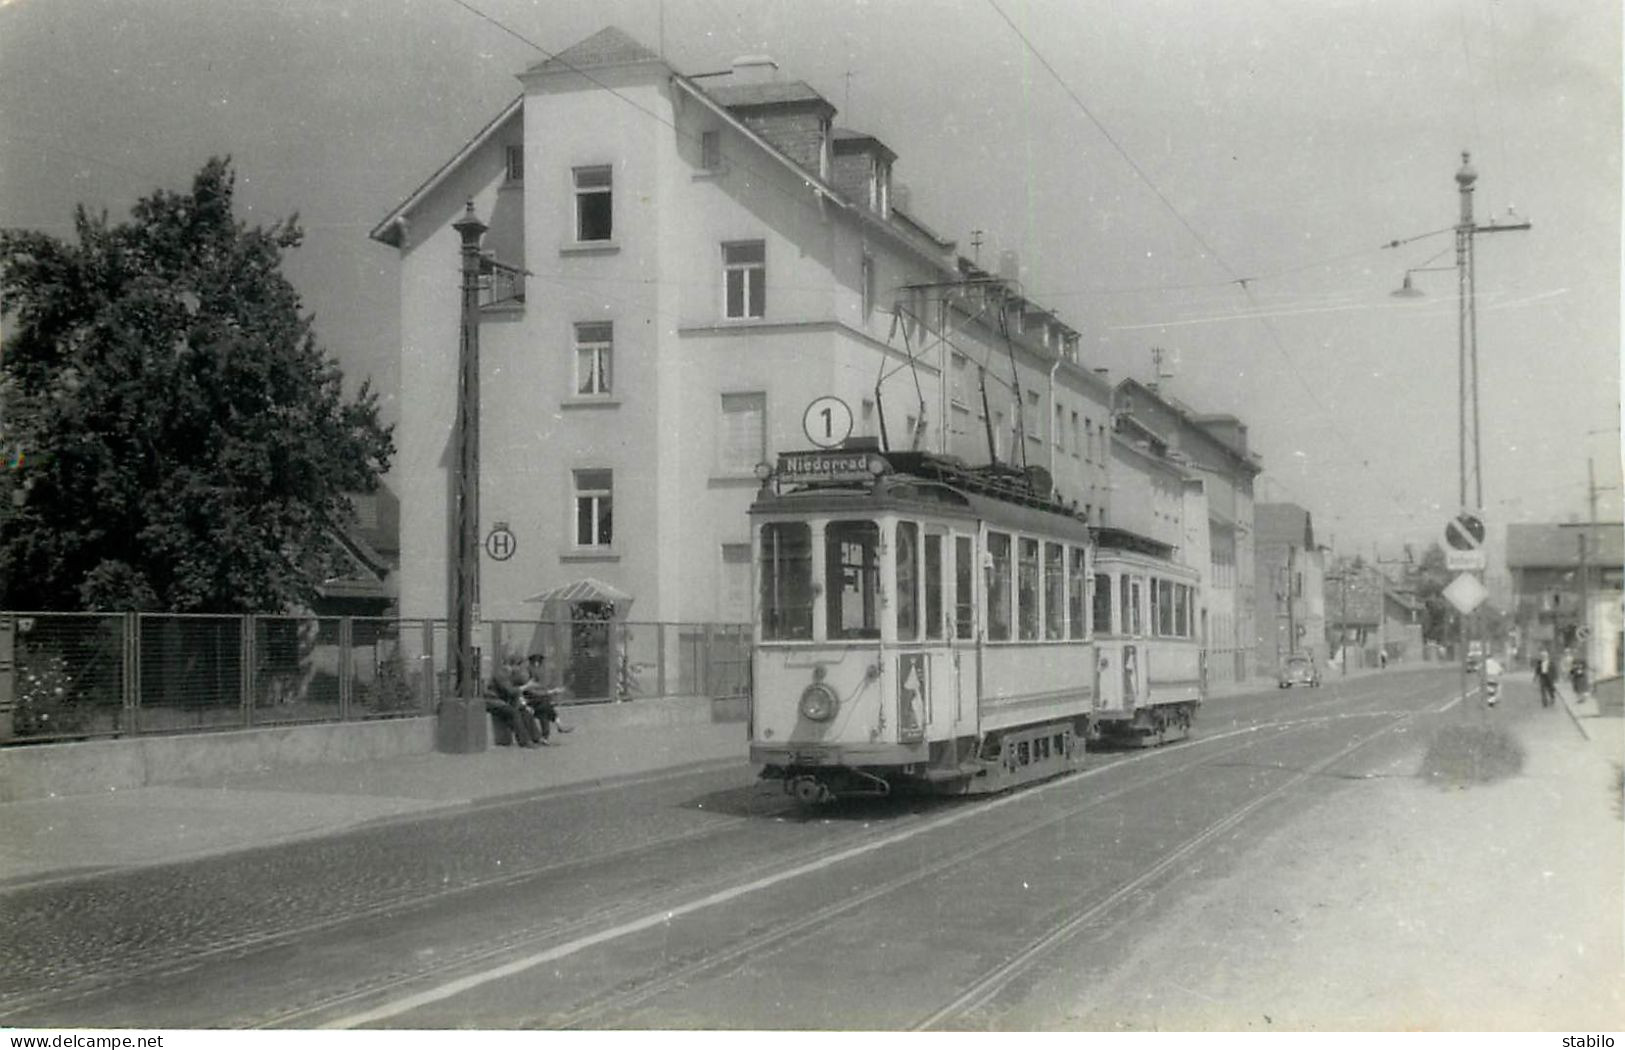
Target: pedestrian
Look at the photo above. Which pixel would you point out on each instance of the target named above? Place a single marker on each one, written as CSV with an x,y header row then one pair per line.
x,y
1546,677
1382,659
506,703
539,696
1492,680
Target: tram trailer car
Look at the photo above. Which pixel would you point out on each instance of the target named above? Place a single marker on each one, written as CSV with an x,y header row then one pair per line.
x,y
921,623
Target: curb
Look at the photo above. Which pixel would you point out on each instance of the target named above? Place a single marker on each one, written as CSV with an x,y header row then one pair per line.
x,y
429,809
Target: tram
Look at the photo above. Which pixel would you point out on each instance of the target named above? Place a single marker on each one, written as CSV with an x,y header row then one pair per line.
x,y
924,623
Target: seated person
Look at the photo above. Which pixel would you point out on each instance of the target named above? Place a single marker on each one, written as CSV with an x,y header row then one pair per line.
x,y
506,703
540,698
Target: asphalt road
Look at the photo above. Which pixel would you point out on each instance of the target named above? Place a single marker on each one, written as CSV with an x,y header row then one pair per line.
x,y
706,900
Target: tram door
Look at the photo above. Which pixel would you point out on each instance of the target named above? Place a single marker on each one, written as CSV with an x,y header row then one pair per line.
x,y
1108,643
962,633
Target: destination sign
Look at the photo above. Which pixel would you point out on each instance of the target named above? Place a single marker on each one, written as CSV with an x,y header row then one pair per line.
x,y
825,466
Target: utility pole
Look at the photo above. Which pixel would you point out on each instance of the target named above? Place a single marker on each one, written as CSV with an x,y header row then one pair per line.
x,y
462,722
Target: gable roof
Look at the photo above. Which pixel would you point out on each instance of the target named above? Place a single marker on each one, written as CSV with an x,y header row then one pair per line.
x,y
390,231
1283,523
610,46
1558,545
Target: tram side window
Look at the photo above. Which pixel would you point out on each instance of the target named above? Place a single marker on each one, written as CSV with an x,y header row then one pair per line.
x,y
1182,610
1129,623
998,587
1027,589
1102,611
1165,607
1075,592
852,579
933,585
908,581
787,590
964,588
1054,591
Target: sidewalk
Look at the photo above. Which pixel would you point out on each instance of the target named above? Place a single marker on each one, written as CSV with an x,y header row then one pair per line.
x,y
53,838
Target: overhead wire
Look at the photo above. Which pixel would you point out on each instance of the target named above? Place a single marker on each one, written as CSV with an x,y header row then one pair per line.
x,y
1243,282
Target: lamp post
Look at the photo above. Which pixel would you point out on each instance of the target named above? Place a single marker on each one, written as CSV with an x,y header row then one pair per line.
x,y
461,724
1467,424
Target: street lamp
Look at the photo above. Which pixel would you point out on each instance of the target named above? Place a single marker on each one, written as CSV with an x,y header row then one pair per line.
x,y
1467,428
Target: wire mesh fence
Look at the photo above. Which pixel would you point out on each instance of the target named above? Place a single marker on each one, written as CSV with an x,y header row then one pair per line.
x,y
76,676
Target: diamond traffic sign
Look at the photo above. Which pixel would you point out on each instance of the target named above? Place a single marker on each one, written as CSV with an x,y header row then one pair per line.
x,y
1466,593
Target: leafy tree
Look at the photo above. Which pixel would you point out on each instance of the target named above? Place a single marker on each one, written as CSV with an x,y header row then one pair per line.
x,y
1428,578
176,439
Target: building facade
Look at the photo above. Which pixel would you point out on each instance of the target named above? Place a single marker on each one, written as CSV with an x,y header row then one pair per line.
x,y
685,264
1212,450
1289,584
1553,596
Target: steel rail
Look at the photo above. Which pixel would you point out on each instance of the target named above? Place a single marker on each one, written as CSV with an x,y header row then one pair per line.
x,y
987,988
792,865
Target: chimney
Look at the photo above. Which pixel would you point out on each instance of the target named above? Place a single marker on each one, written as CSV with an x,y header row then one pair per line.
x,y
755,69
1010,266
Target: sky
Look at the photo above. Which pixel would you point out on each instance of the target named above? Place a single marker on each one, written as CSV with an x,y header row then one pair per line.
x,y
1214,180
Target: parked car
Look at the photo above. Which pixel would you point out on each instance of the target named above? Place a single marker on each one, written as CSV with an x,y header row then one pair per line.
x,y
1299,670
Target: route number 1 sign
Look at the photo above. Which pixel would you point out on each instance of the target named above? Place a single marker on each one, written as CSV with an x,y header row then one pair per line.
x,y
827,422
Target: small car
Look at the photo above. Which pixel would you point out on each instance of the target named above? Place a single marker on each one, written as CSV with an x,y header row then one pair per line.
x,y
1299,670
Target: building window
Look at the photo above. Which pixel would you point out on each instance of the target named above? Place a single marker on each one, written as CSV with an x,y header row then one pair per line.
x,y
735,597
594,508
1077,438
1089,440
742,438
1058,434
516,163
594,347
744,275
711,150
594,204
959,391
868,278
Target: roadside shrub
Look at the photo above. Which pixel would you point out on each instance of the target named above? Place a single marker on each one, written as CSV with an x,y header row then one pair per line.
x,y
47,703
390,691
1463,754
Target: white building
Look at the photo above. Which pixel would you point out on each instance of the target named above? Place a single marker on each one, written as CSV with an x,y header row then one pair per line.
x,y
705,257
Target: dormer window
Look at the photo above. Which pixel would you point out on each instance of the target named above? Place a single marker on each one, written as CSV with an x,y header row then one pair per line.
x,y
880,190
515,156
711,150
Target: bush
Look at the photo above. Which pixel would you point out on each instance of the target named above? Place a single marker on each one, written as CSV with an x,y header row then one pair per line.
x,y
390,692
47,702
1472,754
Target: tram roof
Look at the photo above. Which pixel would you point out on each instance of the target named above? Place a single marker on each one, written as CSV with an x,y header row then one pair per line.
x,y
906,494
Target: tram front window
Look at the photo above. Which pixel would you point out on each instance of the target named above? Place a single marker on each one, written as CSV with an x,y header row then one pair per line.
x,y
852,583
787,591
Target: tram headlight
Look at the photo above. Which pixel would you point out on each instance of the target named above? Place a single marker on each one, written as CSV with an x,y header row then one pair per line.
x,y
818,703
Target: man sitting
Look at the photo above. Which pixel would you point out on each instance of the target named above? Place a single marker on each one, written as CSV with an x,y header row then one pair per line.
x,y
507,705
540,699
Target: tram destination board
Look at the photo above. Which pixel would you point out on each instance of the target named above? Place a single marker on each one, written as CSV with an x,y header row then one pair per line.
x,y
826,466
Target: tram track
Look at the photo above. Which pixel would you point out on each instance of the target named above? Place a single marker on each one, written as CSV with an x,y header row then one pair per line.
x,y
985,990
589,927
637,992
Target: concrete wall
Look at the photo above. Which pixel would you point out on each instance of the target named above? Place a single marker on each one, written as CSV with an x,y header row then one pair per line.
x,y
93,766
